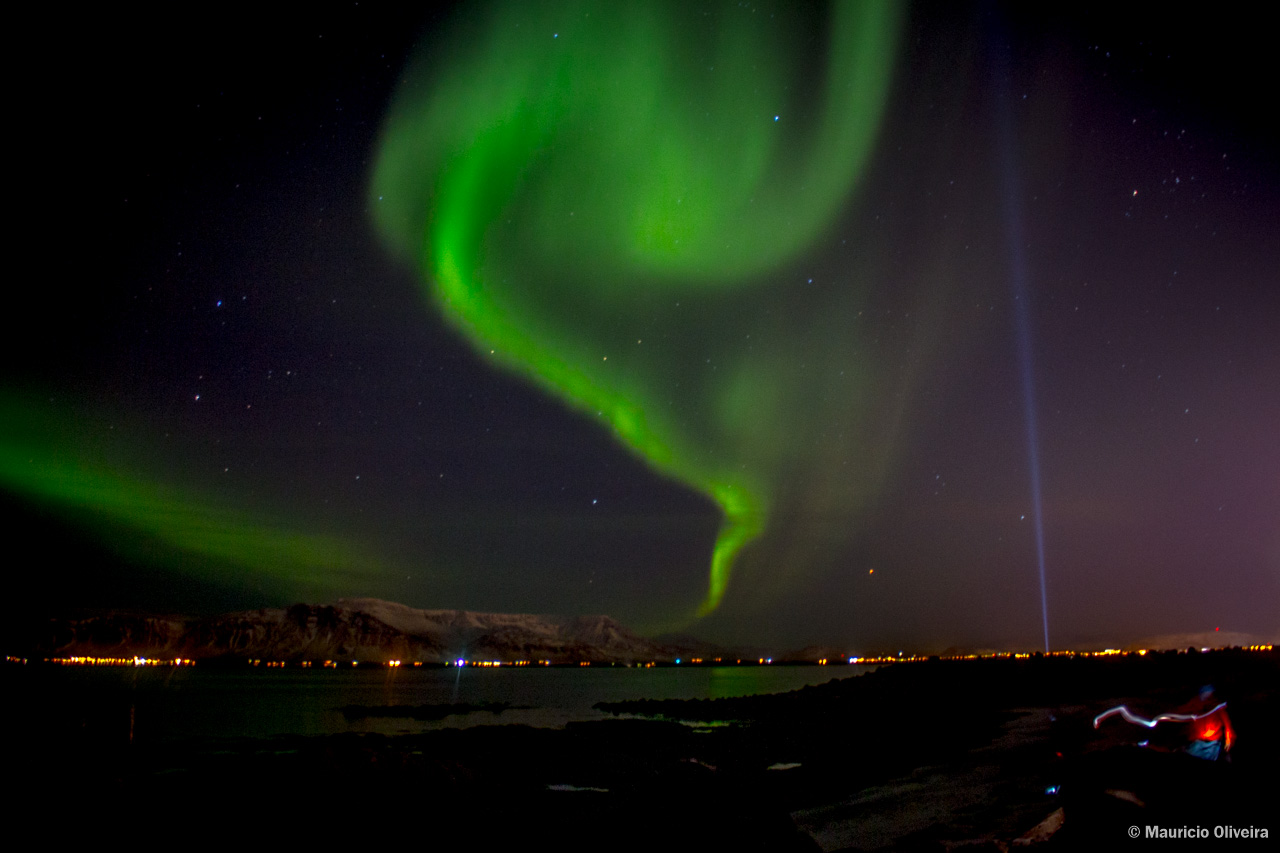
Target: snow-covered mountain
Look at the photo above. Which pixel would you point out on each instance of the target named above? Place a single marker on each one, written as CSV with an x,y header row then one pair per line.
x,y
365,629
514,636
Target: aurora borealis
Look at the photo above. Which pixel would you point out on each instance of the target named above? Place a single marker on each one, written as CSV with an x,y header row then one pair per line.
x,y
143,517
576,181
700,315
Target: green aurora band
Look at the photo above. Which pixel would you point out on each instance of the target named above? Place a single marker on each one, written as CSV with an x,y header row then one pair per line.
x,y
567,175
46,459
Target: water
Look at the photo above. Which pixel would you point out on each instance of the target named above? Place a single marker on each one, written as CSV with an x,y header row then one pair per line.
x,y
171,702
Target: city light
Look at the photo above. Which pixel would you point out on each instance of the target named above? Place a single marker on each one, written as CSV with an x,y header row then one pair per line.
x,y
852,660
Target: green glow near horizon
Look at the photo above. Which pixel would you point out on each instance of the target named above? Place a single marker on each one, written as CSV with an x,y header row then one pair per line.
x,y
146,520
565,173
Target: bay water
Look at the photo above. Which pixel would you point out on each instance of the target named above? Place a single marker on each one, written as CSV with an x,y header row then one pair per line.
x,y
178,702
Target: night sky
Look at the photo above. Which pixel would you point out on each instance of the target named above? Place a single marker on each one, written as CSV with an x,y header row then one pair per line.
x,y
834,325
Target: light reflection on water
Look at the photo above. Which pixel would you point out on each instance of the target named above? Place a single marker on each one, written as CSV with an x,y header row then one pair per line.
x,y
206,702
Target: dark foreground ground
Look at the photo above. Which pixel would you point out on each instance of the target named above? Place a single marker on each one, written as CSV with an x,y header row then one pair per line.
x,y
922,756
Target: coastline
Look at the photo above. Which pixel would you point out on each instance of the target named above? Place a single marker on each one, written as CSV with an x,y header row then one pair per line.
x,y
910,757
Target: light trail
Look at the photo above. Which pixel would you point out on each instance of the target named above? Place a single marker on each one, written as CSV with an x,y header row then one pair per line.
x,y
1123,711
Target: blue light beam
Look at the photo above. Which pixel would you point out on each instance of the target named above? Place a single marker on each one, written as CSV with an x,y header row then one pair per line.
x,y
1021,303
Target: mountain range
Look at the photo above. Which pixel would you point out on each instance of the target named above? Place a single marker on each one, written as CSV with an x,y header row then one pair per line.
x,y
356,629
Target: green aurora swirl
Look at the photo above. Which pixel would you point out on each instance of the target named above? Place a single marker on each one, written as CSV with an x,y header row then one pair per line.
x,y
567,176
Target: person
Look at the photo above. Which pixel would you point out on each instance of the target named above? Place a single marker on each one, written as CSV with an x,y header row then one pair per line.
x,y
1209,732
